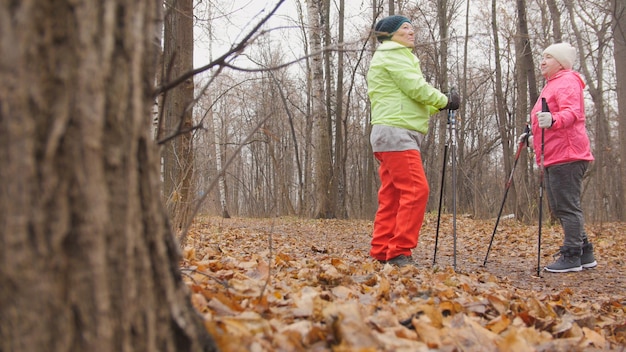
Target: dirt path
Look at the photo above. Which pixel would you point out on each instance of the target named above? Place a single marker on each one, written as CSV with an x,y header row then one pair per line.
x,y
512,259
301,275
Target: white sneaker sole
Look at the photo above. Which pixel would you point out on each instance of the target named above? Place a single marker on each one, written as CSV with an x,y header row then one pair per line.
x,y
590,265
578,268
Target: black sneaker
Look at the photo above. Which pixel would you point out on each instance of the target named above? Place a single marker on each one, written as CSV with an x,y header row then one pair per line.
x,y
587,259
402,260
569,260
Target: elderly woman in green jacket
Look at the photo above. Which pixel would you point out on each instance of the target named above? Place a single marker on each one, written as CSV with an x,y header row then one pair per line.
x,y
402,104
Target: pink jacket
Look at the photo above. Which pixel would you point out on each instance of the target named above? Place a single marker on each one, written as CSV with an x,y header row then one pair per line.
x,y
567,140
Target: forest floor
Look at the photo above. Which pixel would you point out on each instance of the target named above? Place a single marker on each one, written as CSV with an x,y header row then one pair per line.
x,y
291,284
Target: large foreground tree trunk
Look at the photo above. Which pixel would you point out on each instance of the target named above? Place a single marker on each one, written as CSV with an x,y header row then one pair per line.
x,y
87,258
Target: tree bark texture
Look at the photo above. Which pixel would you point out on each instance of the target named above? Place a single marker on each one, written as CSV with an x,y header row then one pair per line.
x,y
499,93
87,258
323,159
555,14
594,78
619,42
341,146
527,95
177,153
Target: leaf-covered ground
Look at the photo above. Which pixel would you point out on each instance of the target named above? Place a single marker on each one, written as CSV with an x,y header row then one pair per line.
x,y
290,284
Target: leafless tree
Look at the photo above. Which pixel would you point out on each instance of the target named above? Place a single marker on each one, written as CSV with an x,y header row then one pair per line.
x,y
88,258
592,47
325,208
493,66
176,132
618,11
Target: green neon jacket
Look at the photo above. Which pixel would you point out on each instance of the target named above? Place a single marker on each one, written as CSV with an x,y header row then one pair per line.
x,y
398,92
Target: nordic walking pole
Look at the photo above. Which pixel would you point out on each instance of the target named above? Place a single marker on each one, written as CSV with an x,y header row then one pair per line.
x,y
544,108
452,119
452,140
443,177
522,140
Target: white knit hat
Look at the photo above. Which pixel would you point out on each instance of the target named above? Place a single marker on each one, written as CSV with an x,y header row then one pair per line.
x,y
564,53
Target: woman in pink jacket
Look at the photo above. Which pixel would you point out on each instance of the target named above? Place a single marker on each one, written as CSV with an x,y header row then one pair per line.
x,y
567,153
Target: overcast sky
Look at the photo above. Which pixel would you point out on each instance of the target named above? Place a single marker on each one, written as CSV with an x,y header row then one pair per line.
x,y
235,19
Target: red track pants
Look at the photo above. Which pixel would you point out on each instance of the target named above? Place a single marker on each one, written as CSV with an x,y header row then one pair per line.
x,y
402,202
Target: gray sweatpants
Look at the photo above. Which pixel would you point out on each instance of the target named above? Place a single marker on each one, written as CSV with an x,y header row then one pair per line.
x,y
564,187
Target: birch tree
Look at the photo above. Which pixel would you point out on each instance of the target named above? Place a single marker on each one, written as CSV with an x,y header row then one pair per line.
x,y
323,158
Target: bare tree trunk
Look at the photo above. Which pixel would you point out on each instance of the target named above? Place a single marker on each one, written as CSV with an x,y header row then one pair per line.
x,y
464,91
341,132
602,165
555,14
333,152
294,141
369,169
178,119
221,182
323,158
527,95
557,37
305,190
619,55
443,20
213,152
439,131
207,151
499,93
88,261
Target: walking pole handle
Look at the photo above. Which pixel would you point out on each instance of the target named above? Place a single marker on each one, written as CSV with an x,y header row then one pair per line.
x,y
544,105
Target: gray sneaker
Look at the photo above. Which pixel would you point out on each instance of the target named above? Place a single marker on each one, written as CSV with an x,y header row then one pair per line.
x,y
587,259
402,260
569,260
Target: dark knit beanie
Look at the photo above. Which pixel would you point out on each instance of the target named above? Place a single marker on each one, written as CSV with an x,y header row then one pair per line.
x,y
386,27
